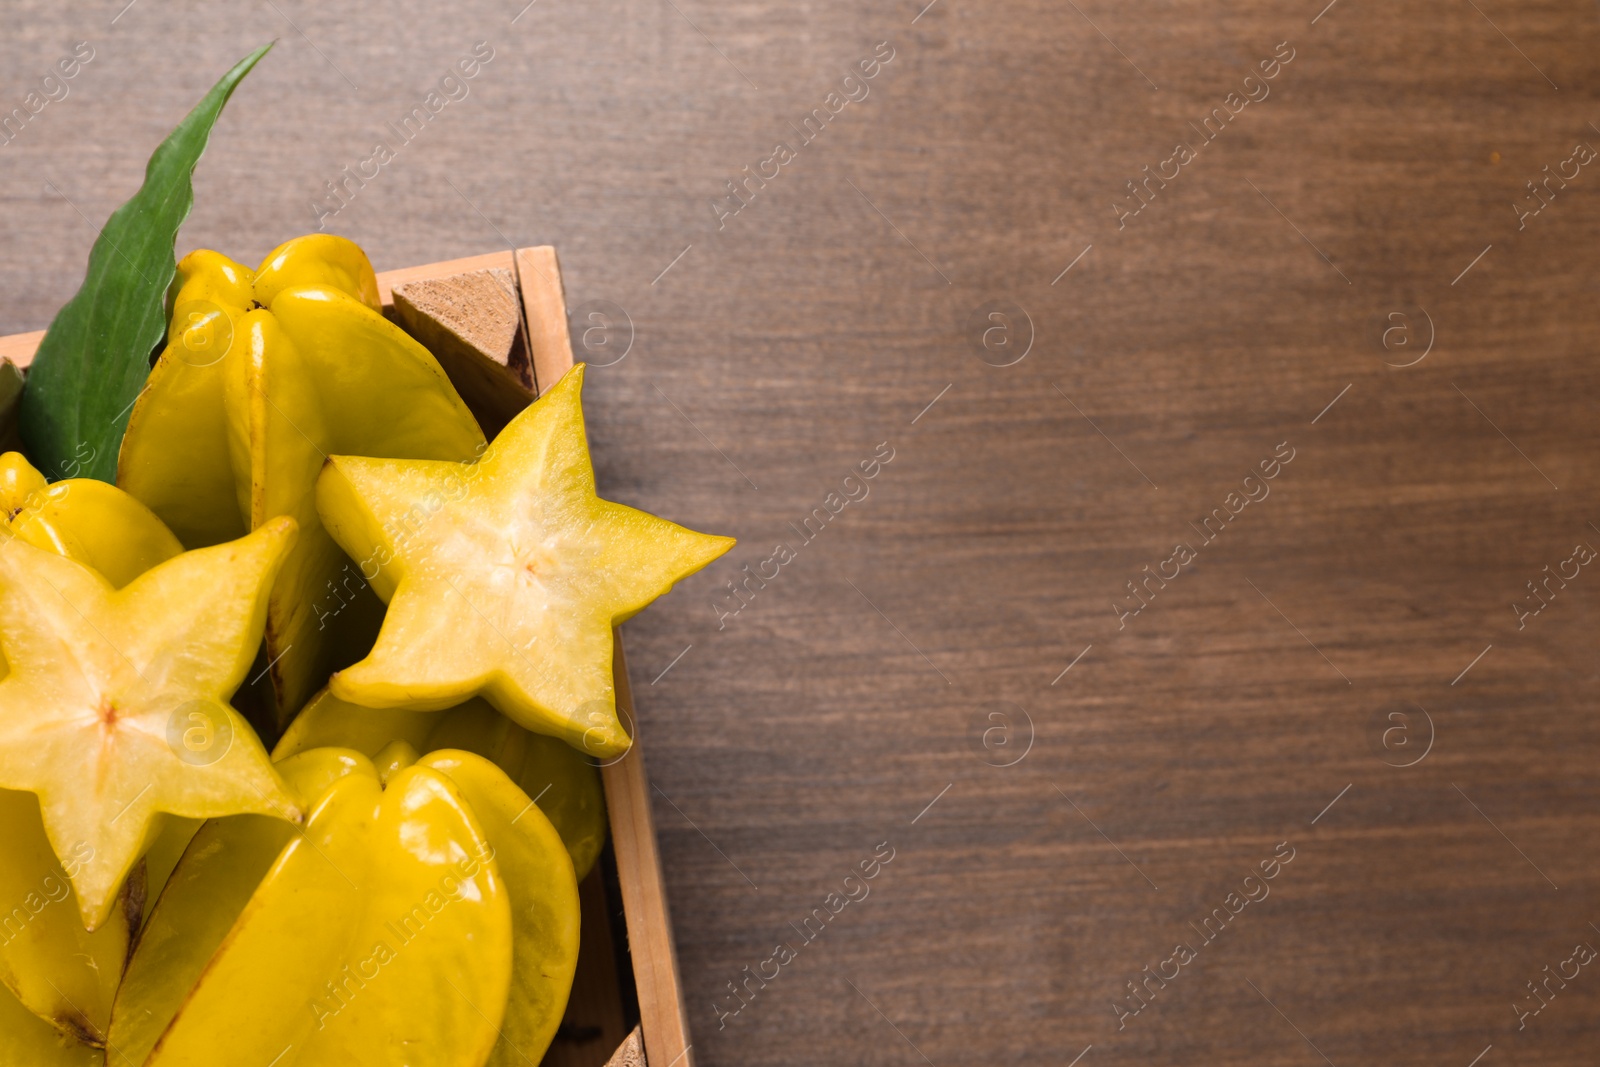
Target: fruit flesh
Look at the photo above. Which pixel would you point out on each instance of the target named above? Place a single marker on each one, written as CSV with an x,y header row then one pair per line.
x,y
104,685
56,968
504,577
266,372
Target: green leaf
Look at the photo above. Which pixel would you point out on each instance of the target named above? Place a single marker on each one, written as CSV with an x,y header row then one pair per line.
x,y
95,357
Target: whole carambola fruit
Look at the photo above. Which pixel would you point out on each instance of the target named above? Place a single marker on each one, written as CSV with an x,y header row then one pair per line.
x,y
266,373
426,917
561,780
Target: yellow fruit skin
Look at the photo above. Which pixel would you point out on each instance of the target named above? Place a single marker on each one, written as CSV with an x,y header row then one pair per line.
x,y
174,455
505,576
270,372
48,962
18,481
255,985
544,903
212,884
323,260
564,783
382,936
28,1041
98,525
393,758
171,837
327,720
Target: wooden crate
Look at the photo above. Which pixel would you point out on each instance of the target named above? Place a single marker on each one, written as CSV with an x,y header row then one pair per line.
x,y
628,969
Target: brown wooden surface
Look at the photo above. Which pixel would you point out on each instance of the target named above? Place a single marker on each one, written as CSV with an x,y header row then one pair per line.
x,y
779,351
18,348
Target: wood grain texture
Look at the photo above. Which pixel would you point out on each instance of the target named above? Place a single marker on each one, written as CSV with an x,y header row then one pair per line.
x,y
664,1026
544,314
778,348
472,323
630,1054
391,277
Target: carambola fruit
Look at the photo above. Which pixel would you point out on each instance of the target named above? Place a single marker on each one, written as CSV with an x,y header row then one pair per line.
x,y
504,576
115,710
49,963
426,916
564,783
265,374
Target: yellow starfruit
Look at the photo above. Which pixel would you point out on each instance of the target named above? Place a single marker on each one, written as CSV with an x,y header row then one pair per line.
x,y
564,783
208,889
106,530
28,1041
504,576
18,481
427,916
265,374
114,708
49,963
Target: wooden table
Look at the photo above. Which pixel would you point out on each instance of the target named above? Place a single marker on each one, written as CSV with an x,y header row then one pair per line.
x,y
1337,274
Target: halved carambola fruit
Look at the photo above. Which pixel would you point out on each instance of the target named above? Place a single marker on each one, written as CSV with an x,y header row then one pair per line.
x,y
114,710
505,576
48,962
386,934
107,530
265,374
562,781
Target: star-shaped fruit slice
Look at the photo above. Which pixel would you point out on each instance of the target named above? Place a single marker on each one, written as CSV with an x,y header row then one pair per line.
x,y
504,576
115,708
49,963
